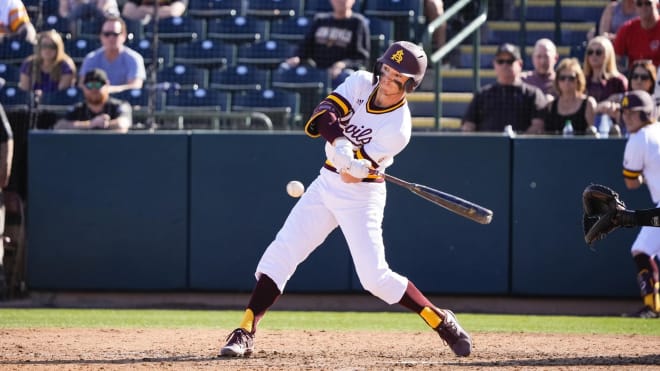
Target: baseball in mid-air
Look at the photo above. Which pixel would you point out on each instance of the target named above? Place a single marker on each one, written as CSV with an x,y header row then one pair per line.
x,y
295,189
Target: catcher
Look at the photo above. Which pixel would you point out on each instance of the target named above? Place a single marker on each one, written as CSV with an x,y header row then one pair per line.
x,y
604,211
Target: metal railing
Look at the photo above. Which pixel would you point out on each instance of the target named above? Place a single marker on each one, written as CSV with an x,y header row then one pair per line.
x,y
436,56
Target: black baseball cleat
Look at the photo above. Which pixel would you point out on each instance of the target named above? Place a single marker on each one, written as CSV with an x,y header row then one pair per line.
x,y
240,343
453,334
645,312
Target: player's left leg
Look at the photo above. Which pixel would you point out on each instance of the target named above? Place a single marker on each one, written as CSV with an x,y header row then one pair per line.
x,y
644,251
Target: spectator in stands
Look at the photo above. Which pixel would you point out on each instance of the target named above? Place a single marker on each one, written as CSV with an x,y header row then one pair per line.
x,y
432,10
572,103
124,66
544,58
603,76
339,41
643,76
49,68
15,22
639,38
508,101
144,10
6,159
615,14
99,110
75,10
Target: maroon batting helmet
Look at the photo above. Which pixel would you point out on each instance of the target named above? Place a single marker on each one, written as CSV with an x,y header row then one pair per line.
x,y
408,59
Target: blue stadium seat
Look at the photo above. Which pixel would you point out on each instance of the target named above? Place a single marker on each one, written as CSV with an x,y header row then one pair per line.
x,y
404,14
10,73
319,6
15,51
79,48
274,8
139,99
237,30
382,33
187,76
313,84
13,98
280,105
292,29
240,77
212,9
177,29
53,22
144,47
61,100
205,53
197,99
266,54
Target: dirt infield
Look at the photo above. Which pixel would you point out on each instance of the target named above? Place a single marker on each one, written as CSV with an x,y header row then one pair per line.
x,y
193,349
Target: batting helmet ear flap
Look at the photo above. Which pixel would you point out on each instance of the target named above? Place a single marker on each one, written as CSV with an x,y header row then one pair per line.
x,y
643,116
409,86
376,72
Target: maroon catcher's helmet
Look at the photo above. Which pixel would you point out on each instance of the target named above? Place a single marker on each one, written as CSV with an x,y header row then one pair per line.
x,y
408,59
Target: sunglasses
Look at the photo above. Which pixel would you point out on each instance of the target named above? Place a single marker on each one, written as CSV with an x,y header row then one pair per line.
x,y
642,3
566,77
598,52
505,61
94,85
49,46
110,33
641,76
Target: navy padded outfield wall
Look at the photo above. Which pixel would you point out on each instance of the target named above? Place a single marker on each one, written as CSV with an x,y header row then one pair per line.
x,y
193,211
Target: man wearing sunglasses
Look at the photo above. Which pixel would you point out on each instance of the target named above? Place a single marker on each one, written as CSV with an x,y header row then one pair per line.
x,y
98,111
124,66
639,38
508,101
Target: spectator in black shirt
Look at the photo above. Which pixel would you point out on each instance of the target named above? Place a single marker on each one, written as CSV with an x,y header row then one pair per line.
x,y
508,101
339,41
6,156
99,110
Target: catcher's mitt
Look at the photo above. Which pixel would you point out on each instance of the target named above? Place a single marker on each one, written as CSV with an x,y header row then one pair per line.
x,y
601,205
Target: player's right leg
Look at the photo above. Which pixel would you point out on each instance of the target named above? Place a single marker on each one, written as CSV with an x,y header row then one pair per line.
x,y
649,285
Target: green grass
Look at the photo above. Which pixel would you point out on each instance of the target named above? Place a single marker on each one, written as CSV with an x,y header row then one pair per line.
x,y
329,321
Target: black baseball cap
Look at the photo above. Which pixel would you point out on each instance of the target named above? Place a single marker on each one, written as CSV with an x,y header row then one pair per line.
x,y
510,49
97,75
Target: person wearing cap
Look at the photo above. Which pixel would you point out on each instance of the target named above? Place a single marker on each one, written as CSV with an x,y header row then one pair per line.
x,y
508,101
99,110
364,123
641,165
639,37
124,66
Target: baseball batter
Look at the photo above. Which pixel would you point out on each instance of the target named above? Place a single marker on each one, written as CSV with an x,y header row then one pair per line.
x,y
365,123
641,164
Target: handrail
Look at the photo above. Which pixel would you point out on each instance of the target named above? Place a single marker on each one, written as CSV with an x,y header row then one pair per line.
x,y
436,56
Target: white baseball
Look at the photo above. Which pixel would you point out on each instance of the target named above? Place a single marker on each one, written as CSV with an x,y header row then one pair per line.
x,y
295,189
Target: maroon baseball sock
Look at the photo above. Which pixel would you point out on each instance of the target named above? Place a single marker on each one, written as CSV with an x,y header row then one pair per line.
x,y
264,295
414,300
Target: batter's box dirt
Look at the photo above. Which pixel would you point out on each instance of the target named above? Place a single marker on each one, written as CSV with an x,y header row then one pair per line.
x,y
196,349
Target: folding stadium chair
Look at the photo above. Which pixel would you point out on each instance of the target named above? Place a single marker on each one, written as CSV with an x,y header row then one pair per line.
x,y
274,8
212,9
382,33
313,84
319,6
292,29
139,101
404,14
280,105
10,73
60,101
15,51
53,22
197,108
13,98
187,76
240,77
237,30
266,54
144,47
177,29
205,53
78,48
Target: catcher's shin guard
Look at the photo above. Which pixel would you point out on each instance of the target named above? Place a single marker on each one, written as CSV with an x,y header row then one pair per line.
x,y
648,279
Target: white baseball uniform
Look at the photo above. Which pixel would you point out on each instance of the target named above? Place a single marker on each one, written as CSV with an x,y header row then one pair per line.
x,y
642,157
12,15
377,134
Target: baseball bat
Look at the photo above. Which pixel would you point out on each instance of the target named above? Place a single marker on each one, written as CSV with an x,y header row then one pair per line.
x,y
450,202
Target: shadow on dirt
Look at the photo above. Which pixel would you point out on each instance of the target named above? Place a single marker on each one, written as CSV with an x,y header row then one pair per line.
x,y
563,361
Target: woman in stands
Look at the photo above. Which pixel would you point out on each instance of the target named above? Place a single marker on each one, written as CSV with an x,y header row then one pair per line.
x,y
572,102
49,68
603,77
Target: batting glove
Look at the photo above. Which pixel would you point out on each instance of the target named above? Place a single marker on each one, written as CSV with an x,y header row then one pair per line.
x,y
343,153
359,168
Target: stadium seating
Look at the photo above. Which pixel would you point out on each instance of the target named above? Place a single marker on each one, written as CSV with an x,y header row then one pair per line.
x,y
177,29
187,76
212,9
240,77
292,29
313,84
404,14
274,8
381,32
317,6
13,98
15,51
10,73
237,30
280,105
266,54
205,53
146,50
78,48
196,108
60,101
